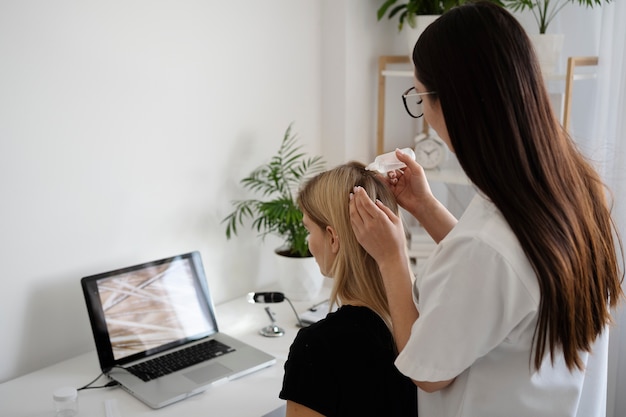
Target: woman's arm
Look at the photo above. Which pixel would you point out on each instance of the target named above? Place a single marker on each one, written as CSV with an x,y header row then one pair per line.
x,y
298,410
436,219
381,233
433,386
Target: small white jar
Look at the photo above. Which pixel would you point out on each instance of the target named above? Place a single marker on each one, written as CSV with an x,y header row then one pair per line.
x,y
65,402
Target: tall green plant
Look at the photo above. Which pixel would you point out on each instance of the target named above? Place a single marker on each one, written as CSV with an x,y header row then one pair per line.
x,y
545,11
276,211
407,11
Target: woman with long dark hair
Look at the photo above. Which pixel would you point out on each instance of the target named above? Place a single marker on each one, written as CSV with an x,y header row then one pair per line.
x,y
511,312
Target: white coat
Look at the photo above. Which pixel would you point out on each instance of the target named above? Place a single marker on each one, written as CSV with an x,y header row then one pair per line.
x,y
478,299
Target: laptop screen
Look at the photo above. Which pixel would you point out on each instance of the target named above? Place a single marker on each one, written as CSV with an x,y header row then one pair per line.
x,y
147,308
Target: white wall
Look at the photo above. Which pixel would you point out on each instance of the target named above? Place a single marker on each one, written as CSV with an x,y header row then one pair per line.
x,y
352,41
125,127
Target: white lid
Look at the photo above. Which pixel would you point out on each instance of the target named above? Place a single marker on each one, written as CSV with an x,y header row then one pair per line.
x,y
65,394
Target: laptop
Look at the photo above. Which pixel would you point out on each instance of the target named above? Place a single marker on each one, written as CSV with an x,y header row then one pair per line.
x,y
160,311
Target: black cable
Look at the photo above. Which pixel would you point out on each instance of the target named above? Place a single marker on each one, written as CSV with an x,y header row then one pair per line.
x,y
295,312
314,307
87,385
107,385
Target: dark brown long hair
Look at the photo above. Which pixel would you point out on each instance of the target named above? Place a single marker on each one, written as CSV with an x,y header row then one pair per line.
x,y
481,63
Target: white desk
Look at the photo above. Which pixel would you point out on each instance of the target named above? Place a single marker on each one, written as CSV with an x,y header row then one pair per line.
x,y
252,395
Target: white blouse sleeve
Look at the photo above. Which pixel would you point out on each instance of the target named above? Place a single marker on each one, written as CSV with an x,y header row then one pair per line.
x,y
470,300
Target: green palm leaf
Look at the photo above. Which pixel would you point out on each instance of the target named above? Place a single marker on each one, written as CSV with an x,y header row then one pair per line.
x,y
544,11
276,212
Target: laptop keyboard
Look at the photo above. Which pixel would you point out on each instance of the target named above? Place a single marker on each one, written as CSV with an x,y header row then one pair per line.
x,y
178,360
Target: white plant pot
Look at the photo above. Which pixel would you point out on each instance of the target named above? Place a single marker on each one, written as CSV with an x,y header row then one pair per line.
x,y
548,47
412,34
299,278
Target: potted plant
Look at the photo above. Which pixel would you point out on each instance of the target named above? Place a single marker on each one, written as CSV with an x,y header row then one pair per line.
x,y
275,212
547,46
544,11
417,14
408,11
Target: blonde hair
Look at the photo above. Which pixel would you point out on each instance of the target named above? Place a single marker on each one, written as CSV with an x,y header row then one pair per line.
x,y
325,199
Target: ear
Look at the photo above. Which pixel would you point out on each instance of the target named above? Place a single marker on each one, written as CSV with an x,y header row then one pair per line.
x,y
333,239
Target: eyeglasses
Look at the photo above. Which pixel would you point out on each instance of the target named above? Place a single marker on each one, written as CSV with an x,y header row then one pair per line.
x,y
413,105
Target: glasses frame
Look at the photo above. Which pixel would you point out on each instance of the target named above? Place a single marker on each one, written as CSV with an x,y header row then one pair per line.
x,y
407,94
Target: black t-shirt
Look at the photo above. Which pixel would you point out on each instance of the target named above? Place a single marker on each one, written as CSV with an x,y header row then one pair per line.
x,y
343,365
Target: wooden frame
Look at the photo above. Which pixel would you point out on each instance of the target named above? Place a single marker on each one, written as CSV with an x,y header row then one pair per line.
x,y
383,61
572,63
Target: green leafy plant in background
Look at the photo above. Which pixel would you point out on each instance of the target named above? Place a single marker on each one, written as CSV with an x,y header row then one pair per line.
x,y
275,211
407,11
545,11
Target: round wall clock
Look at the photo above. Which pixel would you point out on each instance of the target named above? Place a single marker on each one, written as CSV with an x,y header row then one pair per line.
x,y
430,152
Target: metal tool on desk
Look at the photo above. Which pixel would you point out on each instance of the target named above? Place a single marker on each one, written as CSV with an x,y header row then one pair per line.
x,y
272,297
271,330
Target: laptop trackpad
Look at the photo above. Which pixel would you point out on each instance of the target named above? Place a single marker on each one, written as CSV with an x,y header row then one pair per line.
x,y
213,371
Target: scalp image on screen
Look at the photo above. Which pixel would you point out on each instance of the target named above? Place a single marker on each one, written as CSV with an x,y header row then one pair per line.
x,y
151,307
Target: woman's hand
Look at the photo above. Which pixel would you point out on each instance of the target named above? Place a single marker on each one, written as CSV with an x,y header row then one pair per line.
x,y
413,193
377,228
410,185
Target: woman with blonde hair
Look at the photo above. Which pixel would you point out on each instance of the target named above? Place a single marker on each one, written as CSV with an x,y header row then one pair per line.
x,y
343,365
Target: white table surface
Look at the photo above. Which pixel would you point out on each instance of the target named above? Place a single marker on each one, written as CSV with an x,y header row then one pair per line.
x,y
252,395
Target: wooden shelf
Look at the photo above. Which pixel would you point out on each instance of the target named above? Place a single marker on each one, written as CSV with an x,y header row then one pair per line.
x,y
386,60
397,73
383,62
